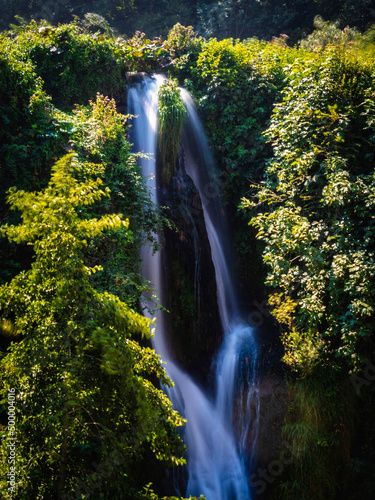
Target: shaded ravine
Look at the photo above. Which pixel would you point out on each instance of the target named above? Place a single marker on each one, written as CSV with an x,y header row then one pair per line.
x,y
219,458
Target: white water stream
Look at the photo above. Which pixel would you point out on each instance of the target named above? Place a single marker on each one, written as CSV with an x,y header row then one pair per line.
x,y
219,458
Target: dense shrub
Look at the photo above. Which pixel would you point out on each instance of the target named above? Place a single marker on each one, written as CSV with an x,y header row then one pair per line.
x,y
315,216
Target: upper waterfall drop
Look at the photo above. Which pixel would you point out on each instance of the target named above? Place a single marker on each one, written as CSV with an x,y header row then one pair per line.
x,y
200,166
217,462
143,104
239,336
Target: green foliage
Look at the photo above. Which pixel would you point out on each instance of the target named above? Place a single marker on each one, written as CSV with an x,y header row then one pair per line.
x,y
81,378
143,54
171,115
26,134
320,187
183,41
317,430
301,348
327,33
236,85
97,133
314,213
34,134
73,63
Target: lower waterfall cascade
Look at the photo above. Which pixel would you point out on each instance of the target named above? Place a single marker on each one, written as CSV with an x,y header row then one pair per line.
x,y
219,458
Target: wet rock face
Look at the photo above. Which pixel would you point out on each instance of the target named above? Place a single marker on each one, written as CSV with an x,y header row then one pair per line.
x,y
273,396
267,465
273,405
189,277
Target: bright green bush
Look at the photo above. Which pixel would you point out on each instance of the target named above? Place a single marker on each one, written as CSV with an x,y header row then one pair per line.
x,y
97,133
81,379
320,185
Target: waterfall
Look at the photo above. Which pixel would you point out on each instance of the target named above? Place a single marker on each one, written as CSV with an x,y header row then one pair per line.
x,y
239,346
218,458
143,104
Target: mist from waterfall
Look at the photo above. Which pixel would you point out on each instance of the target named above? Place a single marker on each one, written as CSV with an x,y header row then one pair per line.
x,y
220,426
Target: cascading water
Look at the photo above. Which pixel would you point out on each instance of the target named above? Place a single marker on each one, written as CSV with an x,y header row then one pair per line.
x,y
218,458
238,351
143,103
